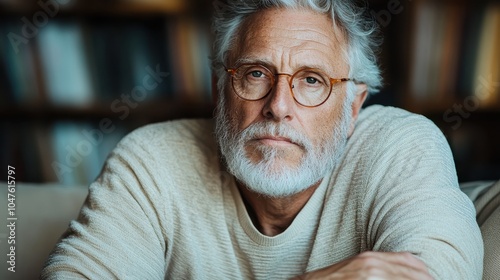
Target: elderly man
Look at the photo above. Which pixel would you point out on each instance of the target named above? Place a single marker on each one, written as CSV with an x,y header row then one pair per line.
x,y
296,181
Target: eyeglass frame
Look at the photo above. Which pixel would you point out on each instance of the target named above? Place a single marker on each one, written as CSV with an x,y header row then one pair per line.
x,y
333,81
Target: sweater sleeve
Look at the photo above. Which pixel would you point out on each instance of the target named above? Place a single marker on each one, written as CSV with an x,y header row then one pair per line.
x,y
413,204
119,232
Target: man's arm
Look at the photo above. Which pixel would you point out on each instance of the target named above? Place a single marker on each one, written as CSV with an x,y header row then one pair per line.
x,y
374,265
118,234
411,203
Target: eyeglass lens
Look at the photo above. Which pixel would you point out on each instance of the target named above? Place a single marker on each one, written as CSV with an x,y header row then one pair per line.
x,y
253,82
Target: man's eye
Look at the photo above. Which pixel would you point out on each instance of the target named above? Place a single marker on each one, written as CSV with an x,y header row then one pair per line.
x,y
256,74
311,80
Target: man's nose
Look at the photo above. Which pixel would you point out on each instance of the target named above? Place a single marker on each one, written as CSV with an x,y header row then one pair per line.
x,y
280,103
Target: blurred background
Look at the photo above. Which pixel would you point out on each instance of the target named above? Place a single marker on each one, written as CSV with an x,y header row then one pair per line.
x,y
76,76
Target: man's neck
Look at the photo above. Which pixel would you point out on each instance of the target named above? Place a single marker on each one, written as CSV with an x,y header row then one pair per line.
x,y
272,216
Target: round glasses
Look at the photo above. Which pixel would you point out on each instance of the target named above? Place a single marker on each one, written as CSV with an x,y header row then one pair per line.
x,y
310,87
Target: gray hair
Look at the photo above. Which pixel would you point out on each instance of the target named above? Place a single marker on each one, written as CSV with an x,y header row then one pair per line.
x,y
360,31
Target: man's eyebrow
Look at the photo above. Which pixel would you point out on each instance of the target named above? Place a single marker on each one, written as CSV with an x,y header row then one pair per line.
x,y
270,65
251,60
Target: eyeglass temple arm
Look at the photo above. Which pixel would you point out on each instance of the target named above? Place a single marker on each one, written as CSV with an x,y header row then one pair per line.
x,y
335,81
232,71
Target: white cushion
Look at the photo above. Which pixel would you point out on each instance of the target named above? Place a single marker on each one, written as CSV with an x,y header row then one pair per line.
x,y
43,214
488,218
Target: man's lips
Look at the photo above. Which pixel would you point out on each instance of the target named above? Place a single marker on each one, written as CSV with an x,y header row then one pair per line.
x,y
275,140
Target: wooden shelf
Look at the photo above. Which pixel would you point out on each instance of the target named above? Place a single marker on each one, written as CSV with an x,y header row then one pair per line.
x,y
154,111
107,8
482,118
441,105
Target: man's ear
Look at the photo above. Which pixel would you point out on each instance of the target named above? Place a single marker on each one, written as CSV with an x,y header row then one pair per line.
x,y
361,94
215,93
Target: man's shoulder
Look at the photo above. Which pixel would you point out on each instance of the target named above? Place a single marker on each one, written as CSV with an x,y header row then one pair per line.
x,y
169,132
387,114
384,123
179,139
173,149
393,131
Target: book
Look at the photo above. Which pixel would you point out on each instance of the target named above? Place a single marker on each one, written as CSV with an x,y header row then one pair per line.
x,y
18,62
102,46
146,52
75,155
436,50
424,46
177,34
200,48
80,149
450,54
64,64
42,139
469,48
189,55
120,54
6,96
487,70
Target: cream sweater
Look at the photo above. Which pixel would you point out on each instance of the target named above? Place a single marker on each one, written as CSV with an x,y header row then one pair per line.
x,y
162,208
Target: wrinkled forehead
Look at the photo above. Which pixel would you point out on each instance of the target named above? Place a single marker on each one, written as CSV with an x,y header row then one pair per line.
x,y
292,36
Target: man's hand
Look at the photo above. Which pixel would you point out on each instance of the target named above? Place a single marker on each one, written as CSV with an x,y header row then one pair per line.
x,y
374,265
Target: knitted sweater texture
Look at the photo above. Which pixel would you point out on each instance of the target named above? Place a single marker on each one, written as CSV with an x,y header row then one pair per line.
x,y
164,207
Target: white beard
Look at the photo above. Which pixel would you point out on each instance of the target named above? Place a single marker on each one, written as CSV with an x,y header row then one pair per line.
x,y
271,177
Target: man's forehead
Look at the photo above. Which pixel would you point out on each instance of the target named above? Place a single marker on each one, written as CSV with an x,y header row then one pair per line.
x,y
305,37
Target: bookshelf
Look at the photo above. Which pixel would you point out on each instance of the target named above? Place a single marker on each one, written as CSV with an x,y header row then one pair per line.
x,y
433,54
71,71
94,7
441,59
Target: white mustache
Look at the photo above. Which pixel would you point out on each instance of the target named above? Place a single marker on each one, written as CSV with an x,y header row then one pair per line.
x,y
263,129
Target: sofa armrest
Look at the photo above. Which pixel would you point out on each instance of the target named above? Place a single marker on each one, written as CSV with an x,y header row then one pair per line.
x,y
43,214
488,218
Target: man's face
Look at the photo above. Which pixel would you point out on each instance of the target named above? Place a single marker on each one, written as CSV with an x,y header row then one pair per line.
x,y
277,133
